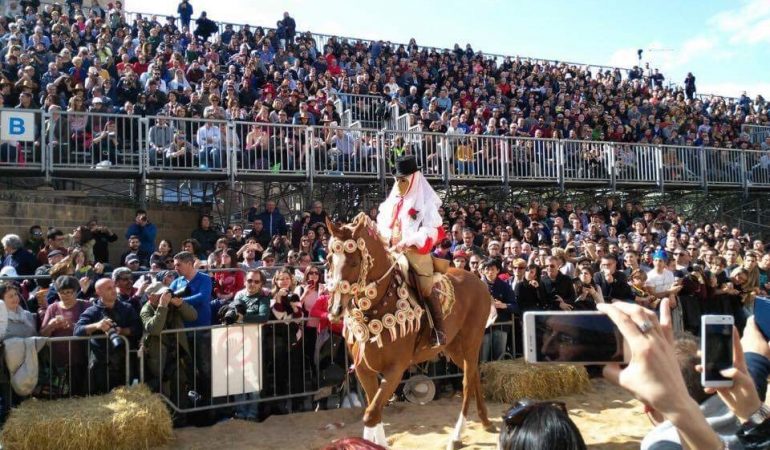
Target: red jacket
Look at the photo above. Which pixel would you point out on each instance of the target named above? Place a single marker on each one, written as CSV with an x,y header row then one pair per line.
x,y
320,311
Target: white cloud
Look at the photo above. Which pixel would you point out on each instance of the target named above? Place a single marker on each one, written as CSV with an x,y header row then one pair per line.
x,y
749,24
734,89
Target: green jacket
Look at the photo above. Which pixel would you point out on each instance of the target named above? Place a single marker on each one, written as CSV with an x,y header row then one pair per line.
x,y
257,306
155,320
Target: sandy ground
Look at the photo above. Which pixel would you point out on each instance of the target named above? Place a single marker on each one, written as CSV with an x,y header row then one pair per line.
x,y
608,417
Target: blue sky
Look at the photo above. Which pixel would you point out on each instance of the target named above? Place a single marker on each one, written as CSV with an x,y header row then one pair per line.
x,y
726,44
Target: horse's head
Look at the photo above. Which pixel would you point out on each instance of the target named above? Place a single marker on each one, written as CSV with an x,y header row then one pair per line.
x,y
352,250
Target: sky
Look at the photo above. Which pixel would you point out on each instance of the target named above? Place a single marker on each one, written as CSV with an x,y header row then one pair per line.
x,y
725,44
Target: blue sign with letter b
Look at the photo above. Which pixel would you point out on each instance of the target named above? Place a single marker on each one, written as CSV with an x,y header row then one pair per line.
x,y
16,126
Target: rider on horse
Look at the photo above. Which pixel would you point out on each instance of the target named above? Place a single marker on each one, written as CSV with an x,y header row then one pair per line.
x,y
410,222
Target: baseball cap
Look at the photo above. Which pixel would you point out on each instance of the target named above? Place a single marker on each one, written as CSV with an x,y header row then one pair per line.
x,y
156,289
131,257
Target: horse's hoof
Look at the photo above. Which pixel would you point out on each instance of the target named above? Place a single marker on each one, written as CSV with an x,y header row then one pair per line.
x,y
454,445
490,428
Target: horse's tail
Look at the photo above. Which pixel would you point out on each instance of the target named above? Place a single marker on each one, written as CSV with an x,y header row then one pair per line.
x,y
492,316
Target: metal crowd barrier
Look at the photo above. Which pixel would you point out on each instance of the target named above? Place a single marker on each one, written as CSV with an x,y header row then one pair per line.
x,y
291,369
75,144
65,372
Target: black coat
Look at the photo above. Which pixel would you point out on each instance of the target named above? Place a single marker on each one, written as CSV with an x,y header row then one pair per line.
x,y
619,289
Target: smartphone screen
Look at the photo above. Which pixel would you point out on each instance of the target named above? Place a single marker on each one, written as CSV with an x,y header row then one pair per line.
x,y
574,337
719,351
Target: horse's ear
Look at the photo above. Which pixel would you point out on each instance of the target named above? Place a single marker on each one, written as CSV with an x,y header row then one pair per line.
x,y
333,230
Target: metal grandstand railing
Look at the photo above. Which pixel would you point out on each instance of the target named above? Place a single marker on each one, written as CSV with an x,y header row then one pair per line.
x,y
757,133
75,145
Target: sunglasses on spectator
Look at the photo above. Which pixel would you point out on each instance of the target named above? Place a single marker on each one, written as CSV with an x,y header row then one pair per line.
x,y
254,281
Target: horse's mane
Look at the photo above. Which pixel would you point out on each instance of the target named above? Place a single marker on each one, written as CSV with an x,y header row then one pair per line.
x,y
363,219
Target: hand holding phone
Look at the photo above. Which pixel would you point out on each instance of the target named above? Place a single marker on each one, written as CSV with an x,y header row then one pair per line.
x,y
742,397
716,350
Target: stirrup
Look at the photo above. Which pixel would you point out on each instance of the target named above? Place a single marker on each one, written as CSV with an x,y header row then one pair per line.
x,y
440,339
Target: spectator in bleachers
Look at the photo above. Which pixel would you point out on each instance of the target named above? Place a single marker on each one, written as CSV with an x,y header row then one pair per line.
x,y
205,234
146,231
185,11
21,323
110,317
55,240
167,355
17,256
59,320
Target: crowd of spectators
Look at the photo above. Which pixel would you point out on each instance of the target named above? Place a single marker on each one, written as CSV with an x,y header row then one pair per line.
x,y
534,257
78,60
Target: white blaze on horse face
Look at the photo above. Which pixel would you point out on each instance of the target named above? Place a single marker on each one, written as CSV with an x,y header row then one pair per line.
x,y
338,262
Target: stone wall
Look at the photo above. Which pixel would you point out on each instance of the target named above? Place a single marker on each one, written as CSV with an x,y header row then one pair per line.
x,y
21,209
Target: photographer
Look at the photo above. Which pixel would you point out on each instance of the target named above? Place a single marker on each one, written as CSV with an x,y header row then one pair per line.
x,y
284,341
163,311
612,282
587,292
251,305
113,318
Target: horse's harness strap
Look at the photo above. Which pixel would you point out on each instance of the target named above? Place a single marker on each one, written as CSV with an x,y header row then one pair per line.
x,y
360,328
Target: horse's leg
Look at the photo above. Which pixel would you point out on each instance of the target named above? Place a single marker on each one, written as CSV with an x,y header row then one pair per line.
x,y
373,414
368,380
455,352
473,378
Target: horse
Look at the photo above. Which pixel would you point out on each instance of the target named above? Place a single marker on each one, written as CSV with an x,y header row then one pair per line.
x,y
387,331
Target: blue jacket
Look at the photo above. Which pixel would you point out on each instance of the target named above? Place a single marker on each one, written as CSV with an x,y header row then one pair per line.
x,y
274,223
146,235
200,286
759,369
121,313
500,290
21,260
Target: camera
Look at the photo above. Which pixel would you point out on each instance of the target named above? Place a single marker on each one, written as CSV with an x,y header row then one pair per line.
x,y
115,340
289,299
228,315
182,292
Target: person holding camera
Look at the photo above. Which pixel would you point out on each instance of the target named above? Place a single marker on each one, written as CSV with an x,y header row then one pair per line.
x,y
116,320
167,358
284,346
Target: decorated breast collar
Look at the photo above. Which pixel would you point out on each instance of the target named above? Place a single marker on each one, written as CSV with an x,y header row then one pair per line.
x,y
358,325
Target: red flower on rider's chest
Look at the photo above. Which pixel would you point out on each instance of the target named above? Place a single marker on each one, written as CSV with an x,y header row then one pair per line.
x,y
412,213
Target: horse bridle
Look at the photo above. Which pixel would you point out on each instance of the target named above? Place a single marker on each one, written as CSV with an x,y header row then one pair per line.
x,y
369,290
358,326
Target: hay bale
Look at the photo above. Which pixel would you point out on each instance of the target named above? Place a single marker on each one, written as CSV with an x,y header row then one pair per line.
x,y
511,380
127,418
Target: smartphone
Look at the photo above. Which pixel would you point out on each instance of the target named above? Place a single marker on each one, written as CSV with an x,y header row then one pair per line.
x,y
573,337
716,350
762,315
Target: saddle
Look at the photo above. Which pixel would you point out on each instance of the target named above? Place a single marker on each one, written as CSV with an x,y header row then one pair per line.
x,y
440,282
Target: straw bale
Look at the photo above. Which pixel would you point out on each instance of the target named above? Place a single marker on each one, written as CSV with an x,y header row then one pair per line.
x,y
511,380
127,418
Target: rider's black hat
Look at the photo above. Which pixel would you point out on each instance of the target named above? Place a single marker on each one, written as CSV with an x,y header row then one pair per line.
x,y
406,165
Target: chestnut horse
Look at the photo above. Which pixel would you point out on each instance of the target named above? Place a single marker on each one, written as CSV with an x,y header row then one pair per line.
x,y
387,331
